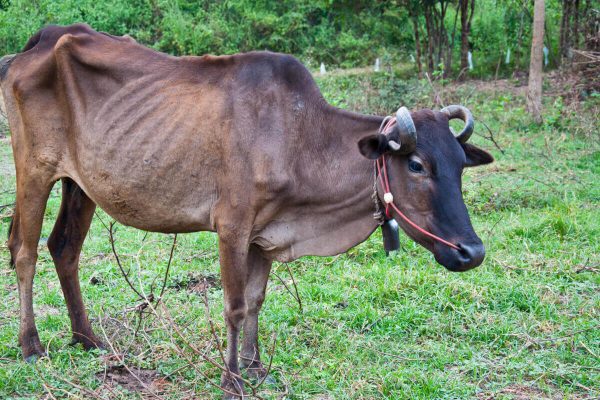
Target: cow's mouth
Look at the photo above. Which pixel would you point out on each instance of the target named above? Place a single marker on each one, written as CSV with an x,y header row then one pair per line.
x,y
467,257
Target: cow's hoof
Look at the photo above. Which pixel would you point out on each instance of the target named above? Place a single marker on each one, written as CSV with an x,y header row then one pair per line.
x,y
32,359
32,349
259,373
233,388
89,342
31,356
269,380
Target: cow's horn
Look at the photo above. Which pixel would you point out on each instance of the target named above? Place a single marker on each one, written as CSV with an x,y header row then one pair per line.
x,y
407,133
460,112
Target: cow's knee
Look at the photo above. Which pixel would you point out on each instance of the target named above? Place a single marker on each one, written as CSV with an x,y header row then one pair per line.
x,y
14,242
235,312
25,261
64,258
255,301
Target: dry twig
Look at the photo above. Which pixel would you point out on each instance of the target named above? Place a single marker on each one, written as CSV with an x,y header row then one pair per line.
x,y
295,294
491,137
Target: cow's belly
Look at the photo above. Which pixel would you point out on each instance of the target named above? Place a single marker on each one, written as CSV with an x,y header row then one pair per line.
x,y
166,202
151,161
160,184
160,206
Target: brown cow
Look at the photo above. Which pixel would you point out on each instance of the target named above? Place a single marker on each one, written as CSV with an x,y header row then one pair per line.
x,y
241,145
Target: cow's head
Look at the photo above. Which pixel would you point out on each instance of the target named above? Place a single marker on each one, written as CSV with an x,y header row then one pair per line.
x,y
425,161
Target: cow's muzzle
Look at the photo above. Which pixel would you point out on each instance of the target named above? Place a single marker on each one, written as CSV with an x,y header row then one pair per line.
x,y
468,256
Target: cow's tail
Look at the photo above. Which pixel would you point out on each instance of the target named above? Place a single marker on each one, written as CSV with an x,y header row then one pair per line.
x,y
5,64
10,228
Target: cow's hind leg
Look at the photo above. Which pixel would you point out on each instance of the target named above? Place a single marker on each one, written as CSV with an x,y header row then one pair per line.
x,y
258,275
70,230
32,195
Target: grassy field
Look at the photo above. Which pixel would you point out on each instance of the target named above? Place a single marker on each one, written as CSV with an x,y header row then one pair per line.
x,y
526,324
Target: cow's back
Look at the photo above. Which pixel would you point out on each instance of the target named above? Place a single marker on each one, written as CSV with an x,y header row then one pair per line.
x,y
133,126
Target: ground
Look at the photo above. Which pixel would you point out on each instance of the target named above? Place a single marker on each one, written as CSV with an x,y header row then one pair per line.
x,y
523,325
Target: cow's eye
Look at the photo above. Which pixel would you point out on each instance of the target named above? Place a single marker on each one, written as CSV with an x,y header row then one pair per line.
x,y
415,166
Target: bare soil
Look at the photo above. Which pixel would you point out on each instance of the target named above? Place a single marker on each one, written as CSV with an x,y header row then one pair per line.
x,y
133,379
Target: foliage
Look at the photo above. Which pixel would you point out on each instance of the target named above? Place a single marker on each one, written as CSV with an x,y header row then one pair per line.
x,y
525,324
336,32
326,31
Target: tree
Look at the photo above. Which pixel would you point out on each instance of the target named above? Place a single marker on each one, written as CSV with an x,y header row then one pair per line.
x,y
415,22
413,7
534,89
438,47
569,28
466,17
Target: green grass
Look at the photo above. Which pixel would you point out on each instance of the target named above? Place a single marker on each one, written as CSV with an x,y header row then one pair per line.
x,y
523,325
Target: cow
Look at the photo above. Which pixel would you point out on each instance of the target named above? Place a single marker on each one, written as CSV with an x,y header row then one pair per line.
x,y
242,145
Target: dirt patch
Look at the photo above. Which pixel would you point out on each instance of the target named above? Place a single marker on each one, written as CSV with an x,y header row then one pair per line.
x,y
518,392
197,256
133,379
43,310
556,83
515,86
97,258
201,285
197,284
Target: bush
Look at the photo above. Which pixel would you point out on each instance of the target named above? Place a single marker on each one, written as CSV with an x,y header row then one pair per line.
x,y
337,32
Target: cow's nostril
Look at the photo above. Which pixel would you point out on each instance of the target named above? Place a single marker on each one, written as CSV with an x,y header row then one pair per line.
x,y
464,250
466,257
472,255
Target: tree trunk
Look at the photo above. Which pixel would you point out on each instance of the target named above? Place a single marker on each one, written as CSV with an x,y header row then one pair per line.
x,y
451,46
563,29
415,22
430,38
534,89
575,40
445,50
566,28
592,20
441,33
517,52
465,28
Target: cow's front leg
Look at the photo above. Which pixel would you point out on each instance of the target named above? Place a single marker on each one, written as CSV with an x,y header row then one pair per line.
x,y
233,254
258,274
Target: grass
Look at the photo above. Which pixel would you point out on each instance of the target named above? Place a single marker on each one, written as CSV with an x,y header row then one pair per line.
x,y
523,325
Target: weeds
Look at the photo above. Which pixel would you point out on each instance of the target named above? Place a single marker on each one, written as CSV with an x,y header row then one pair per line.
x,y
526,323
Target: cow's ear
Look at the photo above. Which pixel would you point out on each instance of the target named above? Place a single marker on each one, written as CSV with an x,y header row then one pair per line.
x,y
476,156
373,146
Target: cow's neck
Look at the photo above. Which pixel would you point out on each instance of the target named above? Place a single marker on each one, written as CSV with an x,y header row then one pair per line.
x,y
340,206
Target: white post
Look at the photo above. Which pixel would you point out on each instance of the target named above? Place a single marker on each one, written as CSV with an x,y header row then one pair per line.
x,y
470,59
322,69
507,60
377,66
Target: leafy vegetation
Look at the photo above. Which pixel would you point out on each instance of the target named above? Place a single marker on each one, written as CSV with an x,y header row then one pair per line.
x,y
336,32
523,325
